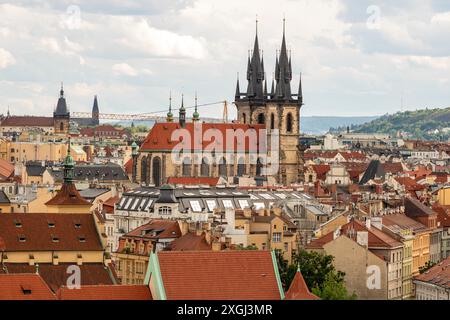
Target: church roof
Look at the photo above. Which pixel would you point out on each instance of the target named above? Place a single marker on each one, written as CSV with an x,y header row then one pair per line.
x,y
68,195
61,107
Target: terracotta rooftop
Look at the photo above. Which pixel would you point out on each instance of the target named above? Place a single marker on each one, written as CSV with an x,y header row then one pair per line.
x,y
68,195
415,208
160,136
24,287
56,275
27,121
193,181
49,231
377,238
219,275
403,222
190,242
108,292
6,170
298,290
157,229
438,275
321,170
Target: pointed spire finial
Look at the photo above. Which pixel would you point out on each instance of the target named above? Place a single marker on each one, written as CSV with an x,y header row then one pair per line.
x,y
284,24
256,24
61,92
170,114
196,115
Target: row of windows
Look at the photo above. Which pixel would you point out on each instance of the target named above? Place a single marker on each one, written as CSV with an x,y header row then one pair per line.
x,y
261,119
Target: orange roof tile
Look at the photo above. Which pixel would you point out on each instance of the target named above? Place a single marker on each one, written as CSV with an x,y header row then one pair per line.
x,y
298,290
190,242
160,136
102,292
193,181
68,195
6,170
218,275
24,287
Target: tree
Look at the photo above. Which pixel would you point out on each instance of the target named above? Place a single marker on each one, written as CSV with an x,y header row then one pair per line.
x,y
426,267
333,289
319,274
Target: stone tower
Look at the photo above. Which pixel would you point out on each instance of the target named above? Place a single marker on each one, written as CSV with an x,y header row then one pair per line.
x,y
61,115
279,109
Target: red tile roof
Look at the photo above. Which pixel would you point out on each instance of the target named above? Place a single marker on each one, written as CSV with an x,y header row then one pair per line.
x,y
321,170
27,121
6,170
167,229
24,287
56,275
298,290
218,275
392,167
377,238
111,292
438,275
403,222
443,215
193,181
160,137
68,196
410,184
129,166
190,242
49,231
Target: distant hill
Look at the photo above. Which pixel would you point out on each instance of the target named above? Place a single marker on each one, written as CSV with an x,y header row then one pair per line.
x,y
430,124
321,125
308,125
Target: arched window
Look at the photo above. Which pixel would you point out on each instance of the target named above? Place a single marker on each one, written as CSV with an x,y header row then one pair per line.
x,y
156,172
204,168
289,123
61,126
310,178
144,169
244,118
223,167
241,167
186,167
272,121
261,118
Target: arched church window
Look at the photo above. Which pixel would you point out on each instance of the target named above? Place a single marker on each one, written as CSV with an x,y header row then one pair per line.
x,y
261,118
289,121
272,121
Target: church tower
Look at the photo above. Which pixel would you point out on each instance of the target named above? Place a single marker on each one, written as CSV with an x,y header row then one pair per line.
x,y
61,115
279,109
95,112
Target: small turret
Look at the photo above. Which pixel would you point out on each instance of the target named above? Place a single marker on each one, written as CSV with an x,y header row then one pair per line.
x,y
182,117
170,114
196,115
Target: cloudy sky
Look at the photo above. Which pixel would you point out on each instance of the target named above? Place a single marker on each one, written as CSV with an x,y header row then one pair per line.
x,y
357,57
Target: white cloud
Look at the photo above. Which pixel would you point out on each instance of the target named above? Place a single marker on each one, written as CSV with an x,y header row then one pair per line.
x,y
124,69
6,59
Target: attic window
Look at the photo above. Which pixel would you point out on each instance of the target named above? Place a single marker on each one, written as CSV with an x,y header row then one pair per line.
x,y
18,223
51,224
82,238
22,238
77,225
55,239
26,290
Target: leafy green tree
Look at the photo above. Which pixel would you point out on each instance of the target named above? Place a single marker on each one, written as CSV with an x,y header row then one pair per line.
x,y
319,273
426,267
333,289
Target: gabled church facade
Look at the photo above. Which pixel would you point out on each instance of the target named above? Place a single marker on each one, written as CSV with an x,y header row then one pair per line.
x,y
257,110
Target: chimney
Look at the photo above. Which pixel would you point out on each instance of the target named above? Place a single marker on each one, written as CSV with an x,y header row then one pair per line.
x,y
216,246
368,223
362,238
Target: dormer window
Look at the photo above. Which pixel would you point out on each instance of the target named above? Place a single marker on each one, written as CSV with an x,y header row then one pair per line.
x,y
22,238
77,225
18,224
82,238
51,224
55,239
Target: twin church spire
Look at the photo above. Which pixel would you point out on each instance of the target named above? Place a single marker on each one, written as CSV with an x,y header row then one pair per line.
x,y
281,82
